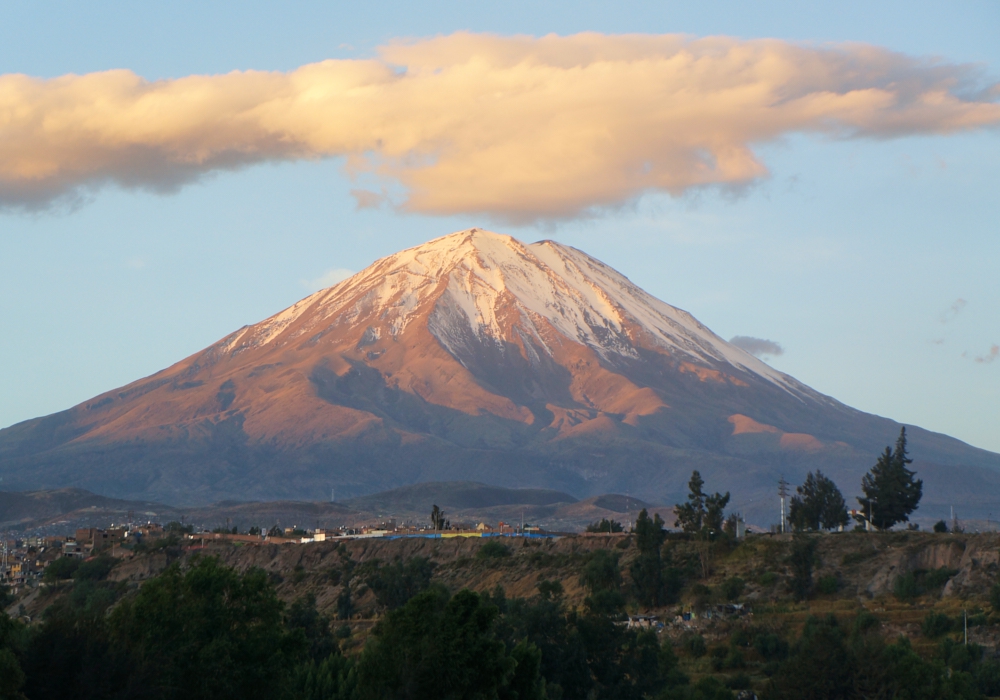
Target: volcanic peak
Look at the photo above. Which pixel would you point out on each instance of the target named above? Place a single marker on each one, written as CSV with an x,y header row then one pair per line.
x,y
501,290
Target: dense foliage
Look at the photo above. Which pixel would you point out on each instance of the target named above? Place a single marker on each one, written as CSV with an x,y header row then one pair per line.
x,y
702,514
818,505
208,631
892,491
831,660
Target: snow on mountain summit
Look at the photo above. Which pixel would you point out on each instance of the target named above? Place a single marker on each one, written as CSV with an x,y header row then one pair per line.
x,y
495,286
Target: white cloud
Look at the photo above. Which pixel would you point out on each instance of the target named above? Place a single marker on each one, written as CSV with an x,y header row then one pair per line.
x,y
518,128
327,279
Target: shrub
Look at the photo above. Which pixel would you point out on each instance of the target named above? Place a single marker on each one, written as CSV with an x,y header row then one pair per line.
x,y
995,597
852,558
734,659
828,585
740,681
732,587
394,584
602,572
61,569
771,647
493,550
802,559
95,569
937,578
768,578
936,625
906,587
694,645
940,526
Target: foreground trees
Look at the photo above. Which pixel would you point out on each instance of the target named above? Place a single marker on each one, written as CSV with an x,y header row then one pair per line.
x,y
892,491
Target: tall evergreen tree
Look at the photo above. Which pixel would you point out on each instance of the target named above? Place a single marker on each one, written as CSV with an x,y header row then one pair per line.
x,y
703,514
819,504
892,491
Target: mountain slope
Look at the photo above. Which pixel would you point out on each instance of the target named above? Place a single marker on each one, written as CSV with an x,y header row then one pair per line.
x,y
472,357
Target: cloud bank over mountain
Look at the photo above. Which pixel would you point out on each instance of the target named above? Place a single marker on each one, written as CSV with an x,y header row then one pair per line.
x,y
517,128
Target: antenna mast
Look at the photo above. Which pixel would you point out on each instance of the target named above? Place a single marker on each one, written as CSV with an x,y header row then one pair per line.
x,y
783,492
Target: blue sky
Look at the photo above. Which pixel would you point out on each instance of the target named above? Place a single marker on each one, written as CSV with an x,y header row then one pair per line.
x,y
872,261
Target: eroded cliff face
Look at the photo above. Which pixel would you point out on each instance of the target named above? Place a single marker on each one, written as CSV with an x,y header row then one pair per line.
x,y
472,357
866,566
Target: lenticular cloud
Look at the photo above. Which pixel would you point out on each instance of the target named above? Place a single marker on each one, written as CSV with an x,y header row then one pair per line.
x,y
518,128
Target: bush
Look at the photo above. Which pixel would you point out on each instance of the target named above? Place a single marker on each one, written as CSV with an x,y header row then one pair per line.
x,y
937,578
740,681
493,550
694,645
857,557
940,526
771,647
936,625
61,569
906,587
732,587
394,584
768,578
802,559
601,573
995,597
828,585
94,569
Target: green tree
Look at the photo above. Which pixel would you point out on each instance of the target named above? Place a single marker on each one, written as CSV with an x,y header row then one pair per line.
x,y
12,637
605,525
333,678
647,567
207,632
61,568
819,504
802,560
702,514
601,573
315,627
602,577
436,647
437,519
891,490
394,584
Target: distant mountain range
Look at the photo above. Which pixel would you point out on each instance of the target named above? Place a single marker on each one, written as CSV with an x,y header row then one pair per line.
x,y
475,357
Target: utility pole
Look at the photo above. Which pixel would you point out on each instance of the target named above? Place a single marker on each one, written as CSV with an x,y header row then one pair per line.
x,y
783,492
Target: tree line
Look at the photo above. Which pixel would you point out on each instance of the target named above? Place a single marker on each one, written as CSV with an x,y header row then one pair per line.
x,y
891,493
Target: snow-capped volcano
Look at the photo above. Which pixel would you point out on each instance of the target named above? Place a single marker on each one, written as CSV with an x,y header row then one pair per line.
x,y
471,357
495,287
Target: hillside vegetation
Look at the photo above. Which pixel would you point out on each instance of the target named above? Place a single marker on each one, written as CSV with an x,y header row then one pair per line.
x,y
888,610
